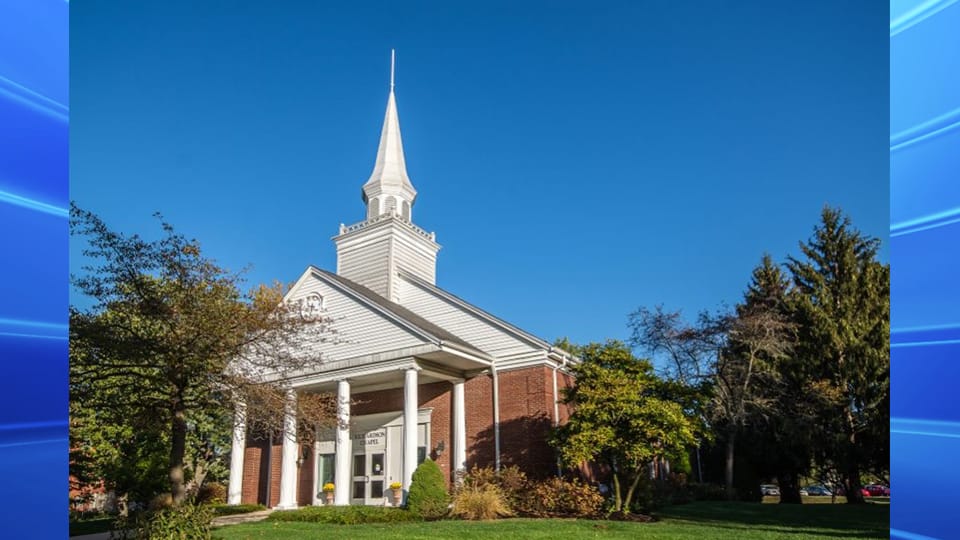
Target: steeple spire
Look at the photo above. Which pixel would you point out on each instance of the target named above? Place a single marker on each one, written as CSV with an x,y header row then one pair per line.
x,y
389,188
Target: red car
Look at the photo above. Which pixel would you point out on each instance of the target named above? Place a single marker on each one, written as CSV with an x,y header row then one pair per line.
x,y
876,490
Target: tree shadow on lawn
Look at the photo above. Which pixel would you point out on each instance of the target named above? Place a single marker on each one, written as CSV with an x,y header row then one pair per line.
x,y
841,520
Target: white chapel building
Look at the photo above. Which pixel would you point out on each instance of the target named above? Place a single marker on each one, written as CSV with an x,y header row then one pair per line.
x,y
423,373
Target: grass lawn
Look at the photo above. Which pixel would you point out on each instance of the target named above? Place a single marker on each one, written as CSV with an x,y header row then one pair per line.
x,y
699,521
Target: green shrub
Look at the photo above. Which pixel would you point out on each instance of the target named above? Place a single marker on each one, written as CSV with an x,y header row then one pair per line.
x,y
344,515
428,497
231,509
479,503
212,493
184,522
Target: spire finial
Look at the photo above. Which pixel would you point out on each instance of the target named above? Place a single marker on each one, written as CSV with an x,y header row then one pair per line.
x,y
393,59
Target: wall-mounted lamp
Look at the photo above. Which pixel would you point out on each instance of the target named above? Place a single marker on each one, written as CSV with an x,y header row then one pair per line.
x,y
303,455
439,449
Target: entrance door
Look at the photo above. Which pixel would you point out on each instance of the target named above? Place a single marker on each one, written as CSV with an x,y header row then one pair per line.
x,y
368,477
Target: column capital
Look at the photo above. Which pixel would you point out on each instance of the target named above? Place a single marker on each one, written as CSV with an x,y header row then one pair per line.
x,y
457,381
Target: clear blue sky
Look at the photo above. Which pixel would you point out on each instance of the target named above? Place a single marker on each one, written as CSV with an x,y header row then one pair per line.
x,y
576,160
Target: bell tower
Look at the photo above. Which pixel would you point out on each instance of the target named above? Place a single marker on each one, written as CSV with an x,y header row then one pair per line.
x,y
372,251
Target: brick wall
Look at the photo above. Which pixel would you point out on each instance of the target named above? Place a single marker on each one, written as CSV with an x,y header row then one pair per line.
x,y
526,416
257,472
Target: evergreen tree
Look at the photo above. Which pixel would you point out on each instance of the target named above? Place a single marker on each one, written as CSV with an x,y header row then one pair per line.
x,y
842,306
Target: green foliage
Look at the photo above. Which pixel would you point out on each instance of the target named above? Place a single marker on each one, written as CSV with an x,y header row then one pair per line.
x,y
232,509
149,360
479,503
842,304
183,522
345,515
621,418
428,497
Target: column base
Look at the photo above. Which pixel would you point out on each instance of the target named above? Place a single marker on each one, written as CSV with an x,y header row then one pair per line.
x,y
285,507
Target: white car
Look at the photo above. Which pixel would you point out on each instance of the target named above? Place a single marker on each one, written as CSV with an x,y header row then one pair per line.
x,y
770,490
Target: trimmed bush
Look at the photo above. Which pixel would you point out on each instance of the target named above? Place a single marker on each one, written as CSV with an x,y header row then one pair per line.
x,y
344,515
231,509
428,497
479,503
212,493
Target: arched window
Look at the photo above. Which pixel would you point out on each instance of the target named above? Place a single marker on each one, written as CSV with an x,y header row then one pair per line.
x,y
405,210
373,208
391,205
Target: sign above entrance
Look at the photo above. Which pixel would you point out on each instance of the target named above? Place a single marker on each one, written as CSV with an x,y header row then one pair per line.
x,y
370,439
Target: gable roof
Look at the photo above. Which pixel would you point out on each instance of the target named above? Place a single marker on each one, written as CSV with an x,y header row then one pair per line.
x,y
483,315
397,312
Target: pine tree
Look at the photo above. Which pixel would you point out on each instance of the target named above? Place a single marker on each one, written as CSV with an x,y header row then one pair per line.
x,y
842,305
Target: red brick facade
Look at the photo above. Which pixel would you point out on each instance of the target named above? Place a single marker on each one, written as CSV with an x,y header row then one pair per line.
x,y
526,416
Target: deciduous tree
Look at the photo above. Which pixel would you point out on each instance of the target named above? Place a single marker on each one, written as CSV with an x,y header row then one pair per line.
x,y
171,340
620,418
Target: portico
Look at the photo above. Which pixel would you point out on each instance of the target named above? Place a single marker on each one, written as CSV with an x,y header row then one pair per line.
x,y
362,454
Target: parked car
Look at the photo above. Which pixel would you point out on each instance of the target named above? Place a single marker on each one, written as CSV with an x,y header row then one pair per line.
x,y
876,490
816,491
769,490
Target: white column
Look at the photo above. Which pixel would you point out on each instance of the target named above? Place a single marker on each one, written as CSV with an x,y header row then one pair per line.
x,y
342,477
409,428
235,489
459,431
288,462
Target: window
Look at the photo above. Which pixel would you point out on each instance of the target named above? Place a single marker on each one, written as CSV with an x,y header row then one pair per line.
x,y
421,454
373,209
405,210
325,470
391,206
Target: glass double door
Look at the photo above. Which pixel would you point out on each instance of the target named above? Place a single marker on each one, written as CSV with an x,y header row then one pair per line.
x,y
369,468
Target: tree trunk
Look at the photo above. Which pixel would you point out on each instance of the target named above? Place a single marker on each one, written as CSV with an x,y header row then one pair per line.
x,y
637,475
853,467
789,488
853,484
728,465
618,501
178,447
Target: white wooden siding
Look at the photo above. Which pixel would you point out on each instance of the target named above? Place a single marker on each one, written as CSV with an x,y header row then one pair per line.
x,y
472,329
410,255
361,330
367,264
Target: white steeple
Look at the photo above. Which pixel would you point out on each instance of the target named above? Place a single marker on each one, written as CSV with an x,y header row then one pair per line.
x,y
373,251
389,189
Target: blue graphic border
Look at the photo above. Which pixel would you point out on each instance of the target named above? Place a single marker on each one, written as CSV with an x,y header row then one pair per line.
x,y
34,168
924,229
